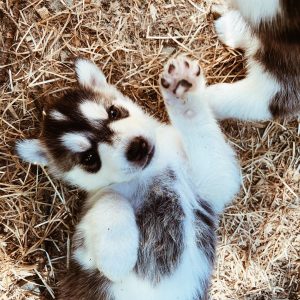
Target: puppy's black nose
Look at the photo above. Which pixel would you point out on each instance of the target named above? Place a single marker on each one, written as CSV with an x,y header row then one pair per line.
x,y
137,150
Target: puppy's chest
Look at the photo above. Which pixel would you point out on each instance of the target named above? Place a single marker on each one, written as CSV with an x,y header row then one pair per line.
x,y
161,223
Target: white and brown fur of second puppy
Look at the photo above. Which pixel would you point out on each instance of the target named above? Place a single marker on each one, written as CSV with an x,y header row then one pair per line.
x,y
269,32
155,190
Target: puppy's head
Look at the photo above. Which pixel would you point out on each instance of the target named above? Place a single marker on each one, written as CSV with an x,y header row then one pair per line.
x,y
94,136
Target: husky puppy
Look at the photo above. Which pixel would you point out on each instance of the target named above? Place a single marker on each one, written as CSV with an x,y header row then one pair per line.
x,y
148,225
269,32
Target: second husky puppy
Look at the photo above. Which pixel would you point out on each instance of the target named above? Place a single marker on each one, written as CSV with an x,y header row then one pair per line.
x,y
269,32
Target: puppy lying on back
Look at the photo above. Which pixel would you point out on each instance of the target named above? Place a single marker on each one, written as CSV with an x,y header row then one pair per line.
x,y
269,32
148,227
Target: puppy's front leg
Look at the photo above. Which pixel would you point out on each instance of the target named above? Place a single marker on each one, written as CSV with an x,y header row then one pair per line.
x,y
211,159
109,237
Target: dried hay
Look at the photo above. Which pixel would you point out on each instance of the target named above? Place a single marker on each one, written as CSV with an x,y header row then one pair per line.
x,y
259,240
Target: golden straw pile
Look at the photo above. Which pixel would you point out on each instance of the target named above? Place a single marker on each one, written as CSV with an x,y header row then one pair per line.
x,y
259,234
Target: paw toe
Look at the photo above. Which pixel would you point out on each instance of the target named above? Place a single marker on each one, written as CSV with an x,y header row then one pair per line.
x,y
171,68
164,83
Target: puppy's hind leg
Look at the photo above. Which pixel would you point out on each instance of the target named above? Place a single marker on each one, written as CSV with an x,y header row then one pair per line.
x,y
212,161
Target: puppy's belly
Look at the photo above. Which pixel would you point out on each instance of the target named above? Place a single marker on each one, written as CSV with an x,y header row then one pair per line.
x,y
187,282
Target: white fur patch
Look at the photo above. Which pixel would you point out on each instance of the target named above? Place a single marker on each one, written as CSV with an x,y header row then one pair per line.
x,y
93,111
76,142
256,11
32,151
56,115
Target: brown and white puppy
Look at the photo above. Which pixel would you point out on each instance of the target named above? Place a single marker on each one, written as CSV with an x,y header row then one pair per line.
x,y
146,232
269,32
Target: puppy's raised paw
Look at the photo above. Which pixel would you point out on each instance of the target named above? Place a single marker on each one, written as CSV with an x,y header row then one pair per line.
x,y
181,76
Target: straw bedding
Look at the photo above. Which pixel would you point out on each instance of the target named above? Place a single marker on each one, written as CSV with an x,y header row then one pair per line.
x,y
259,240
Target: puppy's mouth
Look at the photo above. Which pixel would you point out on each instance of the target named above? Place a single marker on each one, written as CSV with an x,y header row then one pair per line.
x,y
149,157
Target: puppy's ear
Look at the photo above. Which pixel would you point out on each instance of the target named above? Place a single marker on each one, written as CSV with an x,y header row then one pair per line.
x,y
32,151
89,75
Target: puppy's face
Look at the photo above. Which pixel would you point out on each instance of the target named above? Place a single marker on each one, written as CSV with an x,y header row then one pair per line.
x,y
93,136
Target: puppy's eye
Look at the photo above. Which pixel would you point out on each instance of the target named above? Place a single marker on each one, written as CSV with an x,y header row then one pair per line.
x,y
114,113
89,158
90,161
